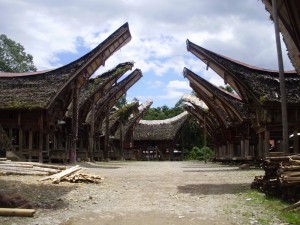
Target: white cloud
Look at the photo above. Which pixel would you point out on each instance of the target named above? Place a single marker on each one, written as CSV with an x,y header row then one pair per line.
x,y
177,84
238,29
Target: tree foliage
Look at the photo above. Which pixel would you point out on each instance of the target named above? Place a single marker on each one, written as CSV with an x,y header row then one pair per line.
x,y
205,154
121,102
162,113
13,57
227,88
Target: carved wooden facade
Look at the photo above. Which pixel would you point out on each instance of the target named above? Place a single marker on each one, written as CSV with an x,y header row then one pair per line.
x,y
33,106
260,92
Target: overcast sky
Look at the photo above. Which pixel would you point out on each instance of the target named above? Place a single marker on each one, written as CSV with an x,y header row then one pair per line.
x,y
58,32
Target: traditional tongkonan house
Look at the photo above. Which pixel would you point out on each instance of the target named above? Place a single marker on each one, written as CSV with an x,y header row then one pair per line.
x,y
33,105
239,134
259,89
159,139
89,95
102,112
211,127
123,138
289,25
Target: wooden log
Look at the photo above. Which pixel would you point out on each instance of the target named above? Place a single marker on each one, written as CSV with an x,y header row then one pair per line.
x,y
17,212
31,171
36,164
20,172
294,206
58,176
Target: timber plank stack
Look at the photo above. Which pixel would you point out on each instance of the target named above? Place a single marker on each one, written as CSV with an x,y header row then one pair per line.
x,y
55,173
8,167
281,179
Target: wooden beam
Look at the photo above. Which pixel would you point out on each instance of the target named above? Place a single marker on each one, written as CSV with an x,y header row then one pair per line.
x,y
74,133
41,138
106,140
30,145
92,131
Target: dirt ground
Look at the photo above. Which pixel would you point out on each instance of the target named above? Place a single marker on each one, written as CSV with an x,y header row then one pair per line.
x,y
143,193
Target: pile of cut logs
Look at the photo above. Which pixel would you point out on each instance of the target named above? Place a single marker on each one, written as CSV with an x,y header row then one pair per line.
x,y
55,173
8,167
73,175
281,179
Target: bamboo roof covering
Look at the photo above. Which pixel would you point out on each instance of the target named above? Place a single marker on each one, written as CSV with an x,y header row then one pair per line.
x,y
195,107
134,118
251,83
110,98
159,129
39,90
96,88
229,102
289,25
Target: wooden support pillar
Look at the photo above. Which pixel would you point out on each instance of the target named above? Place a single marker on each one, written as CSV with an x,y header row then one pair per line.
x,y
47,143
230,149
247,147
20,139
296,142
92,131
121,140
204,133
106,140
41,138
243,147
74,133
10,135
260,145
267,144
30,146
20,132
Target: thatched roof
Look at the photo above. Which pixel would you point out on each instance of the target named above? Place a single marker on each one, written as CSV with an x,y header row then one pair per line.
x,y
159,129
39,90
98,86
289,25
199,110
134,118
230,102
110,98
195,101
251,83
119,115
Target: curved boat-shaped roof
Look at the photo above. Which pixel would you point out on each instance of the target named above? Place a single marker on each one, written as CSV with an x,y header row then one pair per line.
x,y
250,83
289,25
110,98
230,102
159,129
98,86
39,90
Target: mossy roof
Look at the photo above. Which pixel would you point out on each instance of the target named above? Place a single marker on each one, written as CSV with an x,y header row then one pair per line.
x,y
36,90
258,82
159,129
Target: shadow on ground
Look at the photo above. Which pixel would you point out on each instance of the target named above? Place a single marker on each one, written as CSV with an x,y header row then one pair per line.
x,y
212,189
39,195
214,170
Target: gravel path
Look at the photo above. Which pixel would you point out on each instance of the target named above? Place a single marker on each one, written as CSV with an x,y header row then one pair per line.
x,y
142,193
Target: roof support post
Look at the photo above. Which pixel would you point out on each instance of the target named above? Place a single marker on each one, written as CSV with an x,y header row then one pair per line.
x,y
106,140
205,130
74,133
92,131
41,137
282,82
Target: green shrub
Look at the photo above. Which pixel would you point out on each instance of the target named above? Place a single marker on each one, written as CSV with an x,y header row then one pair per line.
x,y
203,154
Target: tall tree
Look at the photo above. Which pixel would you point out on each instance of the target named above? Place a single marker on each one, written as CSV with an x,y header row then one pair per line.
x,y
13,57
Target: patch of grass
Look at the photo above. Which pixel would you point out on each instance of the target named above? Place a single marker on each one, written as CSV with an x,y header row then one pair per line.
x,y
274,206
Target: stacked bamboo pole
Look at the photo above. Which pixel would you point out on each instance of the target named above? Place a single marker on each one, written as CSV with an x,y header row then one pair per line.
x,y
281,179
28,168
